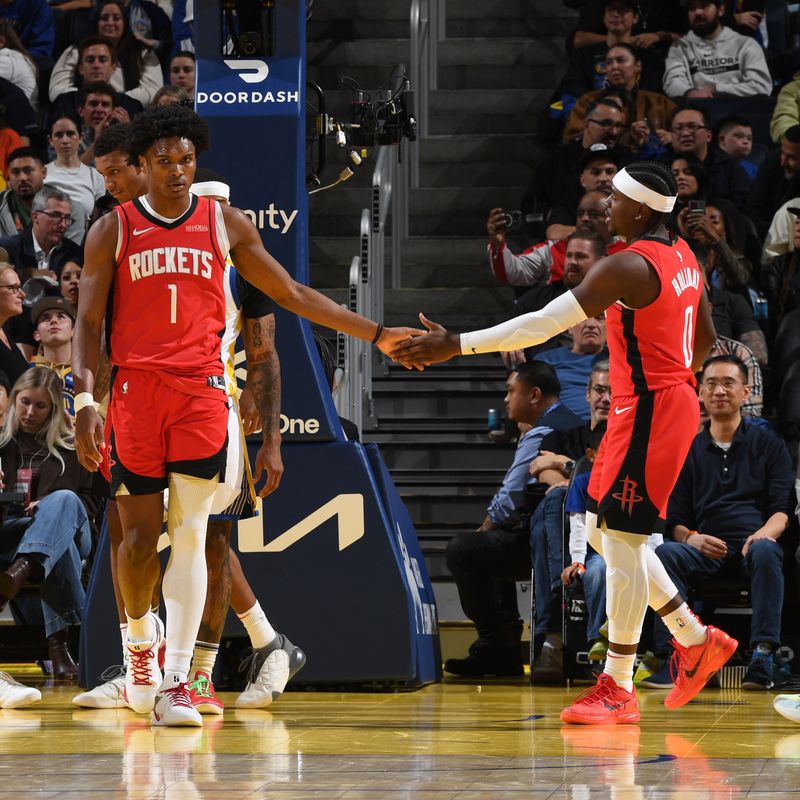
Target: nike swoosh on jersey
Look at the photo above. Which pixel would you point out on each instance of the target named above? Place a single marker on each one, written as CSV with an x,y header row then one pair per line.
x,y
622,410
137,232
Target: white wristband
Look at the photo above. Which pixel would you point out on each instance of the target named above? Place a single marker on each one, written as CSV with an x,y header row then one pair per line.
x,y
526,330
84,399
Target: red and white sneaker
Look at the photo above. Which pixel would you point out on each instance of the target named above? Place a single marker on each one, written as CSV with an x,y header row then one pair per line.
x,y
604,704
143,670
691,667
204,698
173,707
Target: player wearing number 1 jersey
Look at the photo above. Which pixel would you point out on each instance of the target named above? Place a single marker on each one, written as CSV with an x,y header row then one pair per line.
x,y
158,266
659,332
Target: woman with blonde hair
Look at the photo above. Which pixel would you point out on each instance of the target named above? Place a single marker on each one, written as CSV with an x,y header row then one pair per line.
x,y
12,359
46,534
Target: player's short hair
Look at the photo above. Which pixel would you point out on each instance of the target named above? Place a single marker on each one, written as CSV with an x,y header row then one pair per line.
x,y
24,152
728,358
539,375
115,138
49,193
97,87
167,122
593,237
731,122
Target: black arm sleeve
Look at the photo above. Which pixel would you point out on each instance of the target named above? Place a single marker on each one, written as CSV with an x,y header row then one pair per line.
x,y
253,302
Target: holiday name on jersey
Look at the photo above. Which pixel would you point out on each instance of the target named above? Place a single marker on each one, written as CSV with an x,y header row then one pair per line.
x,y
166,260
686,278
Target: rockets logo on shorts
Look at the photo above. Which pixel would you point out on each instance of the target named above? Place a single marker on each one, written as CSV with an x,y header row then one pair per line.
x,y
627,495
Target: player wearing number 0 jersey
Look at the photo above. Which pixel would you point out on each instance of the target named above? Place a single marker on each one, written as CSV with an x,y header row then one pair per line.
x,y
654,411
659,332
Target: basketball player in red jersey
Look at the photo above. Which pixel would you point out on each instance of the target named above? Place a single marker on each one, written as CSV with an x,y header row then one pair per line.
x,y
659,332
163,256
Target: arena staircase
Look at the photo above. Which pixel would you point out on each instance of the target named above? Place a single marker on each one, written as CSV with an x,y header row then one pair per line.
x,y
497,69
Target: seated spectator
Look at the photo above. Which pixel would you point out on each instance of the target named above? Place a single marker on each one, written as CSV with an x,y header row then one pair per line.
x,y
650,111
16,65
712,60
787,110
54,323
573,365
485,563
48,534
96,63
26,174
167,95
691,136
735,137
182,24
5,389
660,23
13,362
553,469
556,180
150,26
778,181
68,173
138,70
753,404
182,72
39,252
68,282
586,70
599,164
780,277
729,507
33,22
16,112
692,180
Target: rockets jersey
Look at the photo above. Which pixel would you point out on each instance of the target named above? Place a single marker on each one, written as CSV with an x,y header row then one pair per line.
x,y
652,347
169,309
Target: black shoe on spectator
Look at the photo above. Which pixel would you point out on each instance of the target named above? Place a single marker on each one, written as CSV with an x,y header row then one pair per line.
x,y
759,674
502,661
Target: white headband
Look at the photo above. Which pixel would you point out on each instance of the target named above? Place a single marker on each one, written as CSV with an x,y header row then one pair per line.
x,y
630,187
212,189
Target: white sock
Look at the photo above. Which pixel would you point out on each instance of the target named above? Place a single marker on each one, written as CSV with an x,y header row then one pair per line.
x,y
257,625
204,657
123,632
173,679
141,629
620,668
185,580
685,627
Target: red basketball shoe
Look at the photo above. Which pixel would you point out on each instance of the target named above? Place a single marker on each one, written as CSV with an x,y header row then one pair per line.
x,y
691,667
203,696
603,704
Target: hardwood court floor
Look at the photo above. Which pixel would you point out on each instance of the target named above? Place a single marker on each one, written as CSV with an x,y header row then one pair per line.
x,y
454,740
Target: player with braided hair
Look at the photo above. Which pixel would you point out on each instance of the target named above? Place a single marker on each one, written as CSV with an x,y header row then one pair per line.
x,y
659,332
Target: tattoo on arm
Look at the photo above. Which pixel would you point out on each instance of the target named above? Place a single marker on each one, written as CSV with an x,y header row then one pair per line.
x,y
264,371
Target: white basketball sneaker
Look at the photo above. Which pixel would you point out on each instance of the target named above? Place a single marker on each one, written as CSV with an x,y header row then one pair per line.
x,y
174,707
143,675
110,694
788,705
14,695
269,670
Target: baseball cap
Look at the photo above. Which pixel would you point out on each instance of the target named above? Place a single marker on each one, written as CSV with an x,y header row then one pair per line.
x,y
52,302
602,152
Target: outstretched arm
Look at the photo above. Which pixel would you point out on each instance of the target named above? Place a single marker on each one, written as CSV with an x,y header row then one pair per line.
x,y
259,268
623,275
96,279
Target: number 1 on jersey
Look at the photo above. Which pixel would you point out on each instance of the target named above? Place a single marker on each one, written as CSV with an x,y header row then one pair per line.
x,y
173,303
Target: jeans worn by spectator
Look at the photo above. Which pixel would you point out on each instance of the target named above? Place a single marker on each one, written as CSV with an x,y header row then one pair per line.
x,y
59,531
594,590
763,565
547,556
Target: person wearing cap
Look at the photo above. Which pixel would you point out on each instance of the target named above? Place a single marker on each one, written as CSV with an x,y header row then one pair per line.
x,y
649,111
713,60
54,322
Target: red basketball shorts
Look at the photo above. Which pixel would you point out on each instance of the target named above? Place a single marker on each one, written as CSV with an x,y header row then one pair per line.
x,y
158,424
641,456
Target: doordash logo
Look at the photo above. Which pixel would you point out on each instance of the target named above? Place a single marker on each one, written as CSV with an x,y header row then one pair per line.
x,y
249,70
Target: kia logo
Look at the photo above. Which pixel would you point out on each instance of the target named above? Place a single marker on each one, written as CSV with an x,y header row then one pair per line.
x,y
254,70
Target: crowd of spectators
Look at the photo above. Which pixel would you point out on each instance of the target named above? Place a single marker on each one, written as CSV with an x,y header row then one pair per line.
x,y
70,74
702,86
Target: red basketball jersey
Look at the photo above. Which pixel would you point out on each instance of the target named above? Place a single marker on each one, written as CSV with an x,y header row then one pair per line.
x,y
169,297
652,347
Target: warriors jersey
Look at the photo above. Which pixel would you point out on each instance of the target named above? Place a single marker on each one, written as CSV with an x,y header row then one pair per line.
x,y
168,310
652,347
